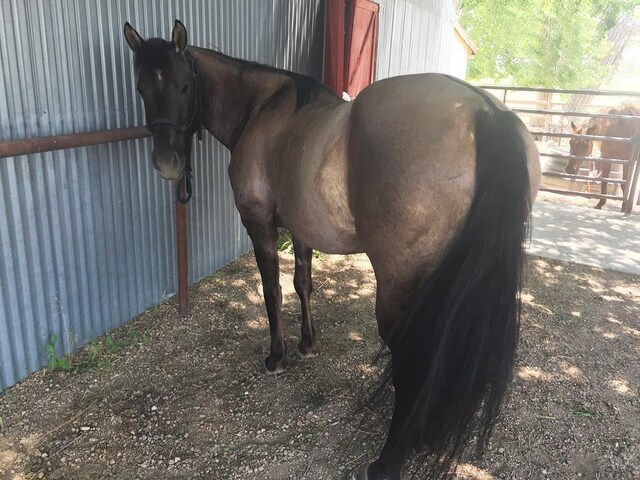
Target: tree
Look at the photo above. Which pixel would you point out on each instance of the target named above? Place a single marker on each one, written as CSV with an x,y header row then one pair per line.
x,y
542,43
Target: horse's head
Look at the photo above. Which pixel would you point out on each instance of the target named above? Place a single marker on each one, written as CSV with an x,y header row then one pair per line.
x,y
167,80
580,146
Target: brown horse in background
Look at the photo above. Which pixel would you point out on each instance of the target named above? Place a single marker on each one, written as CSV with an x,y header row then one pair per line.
x,y
609,127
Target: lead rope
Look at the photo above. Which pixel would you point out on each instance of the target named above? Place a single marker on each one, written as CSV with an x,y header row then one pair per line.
x,y
185,185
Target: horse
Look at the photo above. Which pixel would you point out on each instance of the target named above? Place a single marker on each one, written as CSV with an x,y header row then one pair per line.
x,y
429,176
610,127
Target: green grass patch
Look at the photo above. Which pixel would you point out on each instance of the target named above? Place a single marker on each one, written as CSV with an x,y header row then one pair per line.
x,y
98,353
584,412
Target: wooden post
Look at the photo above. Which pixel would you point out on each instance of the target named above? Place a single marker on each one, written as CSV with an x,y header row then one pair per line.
x,y
183,266
634,174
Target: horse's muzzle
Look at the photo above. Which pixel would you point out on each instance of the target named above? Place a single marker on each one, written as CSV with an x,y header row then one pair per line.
x,y
170,165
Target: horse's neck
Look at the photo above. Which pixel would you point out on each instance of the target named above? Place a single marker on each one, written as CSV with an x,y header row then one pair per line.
x,y
231,93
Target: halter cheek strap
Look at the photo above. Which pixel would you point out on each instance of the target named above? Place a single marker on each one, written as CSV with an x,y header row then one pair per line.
x,y
196,119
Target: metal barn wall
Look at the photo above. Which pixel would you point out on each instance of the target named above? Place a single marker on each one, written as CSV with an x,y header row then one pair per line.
x,y
87,236
415,36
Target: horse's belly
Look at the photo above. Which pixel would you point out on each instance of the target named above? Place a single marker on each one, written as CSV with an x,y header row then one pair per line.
x,y
313,194
332,229
319,213
322,217
327,237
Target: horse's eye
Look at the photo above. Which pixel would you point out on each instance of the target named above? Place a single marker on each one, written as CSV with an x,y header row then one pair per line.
x,y
184,88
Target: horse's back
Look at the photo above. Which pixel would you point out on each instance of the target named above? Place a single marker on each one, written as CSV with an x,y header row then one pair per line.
x,y
618,127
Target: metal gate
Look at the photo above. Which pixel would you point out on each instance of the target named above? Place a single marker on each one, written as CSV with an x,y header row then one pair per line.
x,y
549,129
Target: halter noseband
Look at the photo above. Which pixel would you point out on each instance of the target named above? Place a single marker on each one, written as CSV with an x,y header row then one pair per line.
x,y
196,118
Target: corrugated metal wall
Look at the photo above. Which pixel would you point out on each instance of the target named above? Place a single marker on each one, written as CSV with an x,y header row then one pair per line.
x,y
415,36
87,235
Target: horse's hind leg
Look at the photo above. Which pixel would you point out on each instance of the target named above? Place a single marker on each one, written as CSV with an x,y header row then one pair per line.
x,y
389,464
391,300
303,285
264,239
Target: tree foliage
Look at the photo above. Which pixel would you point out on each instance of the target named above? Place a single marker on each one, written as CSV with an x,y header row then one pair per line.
x,y
541,43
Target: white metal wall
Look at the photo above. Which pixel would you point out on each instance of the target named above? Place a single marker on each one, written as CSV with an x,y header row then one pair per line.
x,y
87,235
415,36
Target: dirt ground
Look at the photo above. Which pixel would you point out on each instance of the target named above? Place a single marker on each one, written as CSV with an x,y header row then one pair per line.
x,y
162,398
612,206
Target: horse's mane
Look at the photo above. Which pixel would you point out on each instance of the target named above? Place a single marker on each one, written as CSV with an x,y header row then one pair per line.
x,y
306,87
156,54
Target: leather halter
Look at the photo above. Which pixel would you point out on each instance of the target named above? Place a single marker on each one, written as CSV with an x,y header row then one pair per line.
x,y
194,123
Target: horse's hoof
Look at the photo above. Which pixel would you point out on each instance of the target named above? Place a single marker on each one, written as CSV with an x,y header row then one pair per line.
x,y
274,366
379,474
305,352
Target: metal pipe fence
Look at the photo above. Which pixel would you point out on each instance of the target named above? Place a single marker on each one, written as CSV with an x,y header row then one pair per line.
x,y
629,185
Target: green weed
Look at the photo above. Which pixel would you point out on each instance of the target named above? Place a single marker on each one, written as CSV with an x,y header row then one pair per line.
x,y
285,245
53,361
582,411
100,353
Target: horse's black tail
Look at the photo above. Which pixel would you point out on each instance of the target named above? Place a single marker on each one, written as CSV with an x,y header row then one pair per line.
x,y
452,356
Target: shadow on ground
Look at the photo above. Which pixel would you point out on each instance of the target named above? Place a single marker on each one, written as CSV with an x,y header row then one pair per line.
x,y
189,399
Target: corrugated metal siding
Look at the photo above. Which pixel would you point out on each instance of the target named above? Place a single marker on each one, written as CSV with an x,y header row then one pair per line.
x,y
87,235
415,36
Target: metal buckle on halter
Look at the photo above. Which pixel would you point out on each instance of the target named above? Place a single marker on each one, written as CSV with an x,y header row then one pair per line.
x,y
187,187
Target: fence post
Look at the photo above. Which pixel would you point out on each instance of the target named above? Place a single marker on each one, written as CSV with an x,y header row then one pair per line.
x,y
634,173
183,265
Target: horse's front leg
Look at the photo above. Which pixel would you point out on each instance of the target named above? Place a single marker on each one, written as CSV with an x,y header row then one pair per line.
x,y
303,285
264,239
606,170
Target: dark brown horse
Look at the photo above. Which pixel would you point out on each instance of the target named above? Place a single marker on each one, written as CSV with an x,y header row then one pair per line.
x,y
609,127
432,178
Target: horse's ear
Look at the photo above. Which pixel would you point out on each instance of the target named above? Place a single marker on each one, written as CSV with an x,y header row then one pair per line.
x,y
134,39
179,36
574,127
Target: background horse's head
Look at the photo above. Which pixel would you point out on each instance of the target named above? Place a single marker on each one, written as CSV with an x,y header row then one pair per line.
x,y
166,77
579,146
